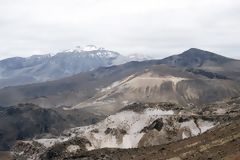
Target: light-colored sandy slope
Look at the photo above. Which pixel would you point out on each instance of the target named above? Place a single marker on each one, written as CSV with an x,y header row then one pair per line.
x,y
150,81
159,86
144,87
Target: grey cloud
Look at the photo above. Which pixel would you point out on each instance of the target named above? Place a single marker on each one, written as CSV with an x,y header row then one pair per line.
x,y
154,27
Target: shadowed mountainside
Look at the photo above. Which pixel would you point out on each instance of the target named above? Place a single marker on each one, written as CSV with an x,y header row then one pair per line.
x,y
26,121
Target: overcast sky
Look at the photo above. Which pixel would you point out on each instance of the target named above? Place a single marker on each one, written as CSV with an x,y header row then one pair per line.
x,y
151,27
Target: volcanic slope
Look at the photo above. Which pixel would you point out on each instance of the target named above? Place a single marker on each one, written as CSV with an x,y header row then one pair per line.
x,y
161,83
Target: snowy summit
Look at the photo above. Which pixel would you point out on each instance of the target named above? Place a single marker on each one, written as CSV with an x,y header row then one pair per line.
x,y
87,48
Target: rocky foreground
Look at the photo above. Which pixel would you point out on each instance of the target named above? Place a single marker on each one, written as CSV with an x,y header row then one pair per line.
x,y
222,142
152,130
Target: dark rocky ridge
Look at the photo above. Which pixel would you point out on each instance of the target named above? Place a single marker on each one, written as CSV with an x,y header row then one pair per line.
x,y
195,58
157,124
28,120
207,74
140,107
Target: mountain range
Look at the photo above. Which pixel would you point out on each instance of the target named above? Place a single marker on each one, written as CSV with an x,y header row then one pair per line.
x,y
175,79
39,68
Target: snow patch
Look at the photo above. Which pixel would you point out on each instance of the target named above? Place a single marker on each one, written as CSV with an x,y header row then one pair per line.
x,y
205,125
129,121
73,148
50,142
123,130
87,48
199,128
192,126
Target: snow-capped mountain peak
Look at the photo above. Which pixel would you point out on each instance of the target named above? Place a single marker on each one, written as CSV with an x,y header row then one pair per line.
x,y
86,48
63,64
92,51
92,48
